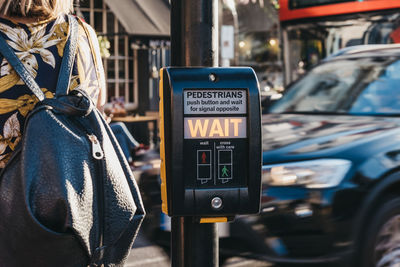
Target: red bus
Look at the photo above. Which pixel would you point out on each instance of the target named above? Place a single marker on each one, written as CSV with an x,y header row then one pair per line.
x,y
314,29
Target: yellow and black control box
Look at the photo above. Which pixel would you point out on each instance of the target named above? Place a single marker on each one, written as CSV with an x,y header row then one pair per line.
x,y
210,128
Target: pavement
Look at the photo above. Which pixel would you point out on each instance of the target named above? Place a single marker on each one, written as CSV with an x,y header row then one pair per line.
x,y
146,254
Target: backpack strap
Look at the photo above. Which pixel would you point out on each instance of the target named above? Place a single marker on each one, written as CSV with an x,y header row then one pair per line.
x,y
66,63
64,78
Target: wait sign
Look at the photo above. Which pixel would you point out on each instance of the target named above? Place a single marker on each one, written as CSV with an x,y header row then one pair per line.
x,y
212,127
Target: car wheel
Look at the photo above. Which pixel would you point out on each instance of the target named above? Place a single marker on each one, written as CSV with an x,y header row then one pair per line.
x,y
382,238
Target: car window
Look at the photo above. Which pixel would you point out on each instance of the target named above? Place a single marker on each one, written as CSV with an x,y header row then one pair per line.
x,y
355,85
382,95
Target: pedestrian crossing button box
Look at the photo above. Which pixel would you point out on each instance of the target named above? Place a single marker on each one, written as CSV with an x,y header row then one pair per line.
x,y
210,128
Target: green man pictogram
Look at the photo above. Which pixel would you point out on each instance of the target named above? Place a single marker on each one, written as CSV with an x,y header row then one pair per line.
x,y
225,172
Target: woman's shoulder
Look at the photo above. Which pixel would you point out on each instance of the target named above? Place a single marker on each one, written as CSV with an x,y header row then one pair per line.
x,y
94,72
90,32
84,24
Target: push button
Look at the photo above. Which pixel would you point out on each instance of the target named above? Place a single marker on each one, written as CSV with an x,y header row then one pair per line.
x,y
216,203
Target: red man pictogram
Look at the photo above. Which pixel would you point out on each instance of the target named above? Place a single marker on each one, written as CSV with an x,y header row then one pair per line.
x,y
203,158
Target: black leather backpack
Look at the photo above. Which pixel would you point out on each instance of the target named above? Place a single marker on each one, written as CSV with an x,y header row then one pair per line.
x,y
67,195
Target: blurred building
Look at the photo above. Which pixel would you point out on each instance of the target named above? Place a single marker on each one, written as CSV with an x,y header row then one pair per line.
x,y
256,39
312,30
138,35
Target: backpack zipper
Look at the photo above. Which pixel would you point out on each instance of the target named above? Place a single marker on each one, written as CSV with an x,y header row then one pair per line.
x,y
97,152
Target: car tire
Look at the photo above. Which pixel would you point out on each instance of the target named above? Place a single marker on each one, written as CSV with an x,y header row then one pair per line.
x,y
381,245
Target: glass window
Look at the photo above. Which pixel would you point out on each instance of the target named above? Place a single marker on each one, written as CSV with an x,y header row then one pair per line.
x,y
306,48
381,95
130,70
110,69
258,48
98,4
121,88
293,4
98,22
110,22
122,69
131,96
121,46
356,86
110,91
84,3
307,43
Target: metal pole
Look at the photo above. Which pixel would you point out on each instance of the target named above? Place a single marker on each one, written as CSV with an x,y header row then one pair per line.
x,y
194,33
194,42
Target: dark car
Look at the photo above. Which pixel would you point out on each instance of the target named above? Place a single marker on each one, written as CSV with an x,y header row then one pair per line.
x,y
331,167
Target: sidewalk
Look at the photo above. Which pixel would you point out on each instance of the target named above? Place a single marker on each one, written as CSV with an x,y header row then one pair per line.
x,y
146,254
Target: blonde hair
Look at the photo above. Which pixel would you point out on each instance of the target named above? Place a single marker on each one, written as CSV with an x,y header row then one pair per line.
x,y
41,9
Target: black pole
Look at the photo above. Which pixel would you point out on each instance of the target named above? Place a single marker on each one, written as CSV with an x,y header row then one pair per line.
x,y
194,33
194,42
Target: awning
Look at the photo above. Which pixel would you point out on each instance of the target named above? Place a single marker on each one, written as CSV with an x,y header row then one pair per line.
x,y
142,17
